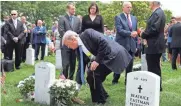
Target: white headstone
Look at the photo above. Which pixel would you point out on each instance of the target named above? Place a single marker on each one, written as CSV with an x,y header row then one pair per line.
x,y
44,78
46,50
58,60
143,63
57,44
30,56
142,89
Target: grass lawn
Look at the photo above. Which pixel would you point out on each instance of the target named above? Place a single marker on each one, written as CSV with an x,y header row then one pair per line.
x,y
171,95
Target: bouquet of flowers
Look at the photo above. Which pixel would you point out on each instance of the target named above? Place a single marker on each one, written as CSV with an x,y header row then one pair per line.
x,y
137,67
26,87
62,92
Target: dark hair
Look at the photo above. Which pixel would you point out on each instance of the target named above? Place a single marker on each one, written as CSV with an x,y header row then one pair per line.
x,y
94,4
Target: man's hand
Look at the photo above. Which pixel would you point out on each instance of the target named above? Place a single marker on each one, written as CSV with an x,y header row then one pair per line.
x,y
94,65
134,34
15,39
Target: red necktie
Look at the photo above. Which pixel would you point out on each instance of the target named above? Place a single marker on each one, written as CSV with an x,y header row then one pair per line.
x,y
129,22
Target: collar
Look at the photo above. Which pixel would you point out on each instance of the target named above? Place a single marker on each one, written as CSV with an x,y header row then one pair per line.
x,y
126,15
69,14
14,19
80,43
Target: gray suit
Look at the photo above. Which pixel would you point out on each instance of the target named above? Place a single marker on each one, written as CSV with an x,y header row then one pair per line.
x,y
123,37
68,55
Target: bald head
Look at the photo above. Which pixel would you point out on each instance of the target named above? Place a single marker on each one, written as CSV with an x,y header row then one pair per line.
x,y
14,14
39,23
23,19
127,6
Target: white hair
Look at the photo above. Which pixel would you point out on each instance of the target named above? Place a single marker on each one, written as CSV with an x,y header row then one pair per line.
x,y
68,35
157,3
126,3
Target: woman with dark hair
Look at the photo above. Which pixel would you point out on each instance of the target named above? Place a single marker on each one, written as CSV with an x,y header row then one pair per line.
x,y
93,20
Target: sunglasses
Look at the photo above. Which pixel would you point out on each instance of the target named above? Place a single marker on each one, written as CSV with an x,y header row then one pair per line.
x,y
13,14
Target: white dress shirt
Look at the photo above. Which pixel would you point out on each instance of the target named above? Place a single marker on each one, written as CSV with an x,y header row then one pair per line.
x,y
15,21
129,17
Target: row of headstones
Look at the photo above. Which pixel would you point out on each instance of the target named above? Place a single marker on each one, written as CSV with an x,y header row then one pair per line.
x,y
30,58
142,89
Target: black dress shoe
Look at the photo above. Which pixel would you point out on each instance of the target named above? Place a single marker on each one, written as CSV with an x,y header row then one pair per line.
x,y
36,59
18,68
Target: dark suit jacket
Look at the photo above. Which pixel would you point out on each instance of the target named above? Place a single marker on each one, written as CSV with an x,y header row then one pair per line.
x,y
154,32
107,51
64,25
26,38
123,32
175,33
12,32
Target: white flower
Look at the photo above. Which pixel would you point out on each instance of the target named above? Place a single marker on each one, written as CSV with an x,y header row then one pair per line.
x,y
21,82
26,79
32,77
20,85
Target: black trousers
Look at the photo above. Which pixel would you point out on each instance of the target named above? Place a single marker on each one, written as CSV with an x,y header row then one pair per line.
x,y
37,48
153,63
17,46
23,53
128,69
175,52
68,61
95,80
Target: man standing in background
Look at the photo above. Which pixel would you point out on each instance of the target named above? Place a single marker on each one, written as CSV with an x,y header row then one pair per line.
x,y
154,37
15,34
69,22
26,39
126,32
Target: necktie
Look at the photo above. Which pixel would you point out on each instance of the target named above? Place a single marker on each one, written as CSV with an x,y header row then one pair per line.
x,y
129,22
81,65
71,20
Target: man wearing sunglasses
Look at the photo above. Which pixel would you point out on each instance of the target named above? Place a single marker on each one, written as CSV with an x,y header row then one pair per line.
x,y
15,33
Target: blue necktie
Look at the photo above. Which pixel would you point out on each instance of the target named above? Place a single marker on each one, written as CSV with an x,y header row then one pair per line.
x,y
81,65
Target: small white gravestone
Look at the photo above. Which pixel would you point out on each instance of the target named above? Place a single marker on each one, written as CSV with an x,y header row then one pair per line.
x,y
143,63
44,78
142,89
46,50
57,44
58,60
30,56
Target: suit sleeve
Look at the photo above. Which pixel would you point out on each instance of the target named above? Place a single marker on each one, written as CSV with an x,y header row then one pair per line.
x,y
7,28
80,26
100,42
102,24
119,27
83,24
154,27
21,35
61,27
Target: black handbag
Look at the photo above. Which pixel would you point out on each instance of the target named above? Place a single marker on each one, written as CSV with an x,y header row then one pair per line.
x,y
8,65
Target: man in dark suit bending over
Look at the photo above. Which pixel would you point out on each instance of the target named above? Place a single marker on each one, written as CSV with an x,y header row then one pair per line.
x,y
109,56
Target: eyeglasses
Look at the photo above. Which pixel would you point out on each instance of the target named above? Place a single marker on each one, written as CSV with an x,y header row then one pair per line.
x,y
13,14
